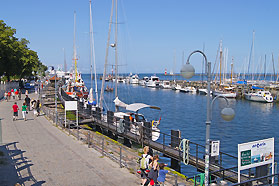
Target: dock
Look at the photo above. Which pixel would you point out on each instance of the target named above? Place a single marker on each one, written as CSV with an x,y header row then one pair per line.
x,y
143,137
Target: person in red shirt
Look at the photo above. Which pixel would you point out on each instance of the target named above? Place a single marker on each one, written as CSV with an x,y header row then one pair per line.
x,y
16,93
15,110
9,95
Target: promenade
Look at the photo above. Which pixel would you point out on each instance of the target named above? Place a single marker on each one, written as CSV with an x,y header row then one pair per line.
x,y
35,152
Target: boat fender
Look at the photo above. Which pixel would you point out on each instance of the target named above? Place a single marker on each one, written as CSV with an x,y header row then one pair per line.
x,y
185,148
121,127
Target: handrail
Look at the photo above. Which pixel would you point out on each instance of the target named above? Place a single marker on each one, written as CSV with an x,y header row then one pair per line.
x,y
256,179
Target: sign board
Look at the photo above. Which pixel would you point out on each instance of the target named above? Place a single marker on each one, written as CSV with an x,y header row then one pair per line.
x,y
215,146
70,105
255,153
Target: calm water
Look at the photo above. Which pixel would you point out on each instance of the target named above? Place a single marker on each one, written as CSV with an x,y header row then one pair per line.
x,y
187,112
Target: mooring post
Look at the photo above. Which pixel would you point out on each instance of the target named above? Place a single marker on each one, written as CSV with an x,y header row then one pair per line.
x,y
0,132
120,159
127,142
88,138
103,143
175,141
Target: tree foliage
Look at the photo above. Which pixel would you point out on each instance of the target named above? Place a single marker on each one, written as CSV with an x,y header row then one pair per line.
x,y
16,59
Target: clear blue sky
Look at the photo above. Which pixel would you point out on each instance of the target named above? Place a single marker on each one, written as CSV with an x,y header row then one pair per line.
x,y
149,31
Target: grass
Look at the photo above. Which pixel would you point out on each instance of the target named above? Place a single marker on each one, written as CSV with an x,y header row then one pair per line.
x,y
71,116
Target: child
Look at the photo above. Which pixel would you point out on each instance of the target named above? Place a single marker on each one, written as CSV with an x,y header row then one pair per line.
x,y
24,111
162,174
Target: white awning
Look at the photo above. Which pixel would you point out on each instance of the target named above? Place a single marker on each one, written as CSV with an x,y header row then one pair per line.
x,y
137,106
119,103
134,106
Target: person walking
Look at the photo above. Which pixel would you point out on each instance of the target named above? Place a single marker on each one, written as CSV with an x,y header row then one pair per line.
x,y
12,93
9,96
153,174
144,162
6,96
15,110
19,94
38,107
27,102
16,93
162,174
24,111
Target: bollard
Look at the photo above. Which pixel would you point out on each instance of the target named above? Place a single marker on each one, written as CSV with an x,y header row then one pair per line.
x,y
120,157
88,139
0,131
103,143
175,182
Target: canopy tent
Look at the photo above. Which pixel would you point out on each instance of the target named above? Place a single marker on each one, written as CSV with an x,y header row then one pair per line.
x,y
134,106
119,103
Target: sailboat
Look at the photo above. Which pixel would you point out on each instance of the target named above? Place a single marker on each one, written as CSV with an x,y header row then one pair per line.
x,y
136,119
228,93
75,86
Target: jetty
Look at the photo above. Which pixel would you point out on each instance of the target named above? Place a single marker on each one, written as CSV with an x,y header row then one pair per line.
x,y
143,136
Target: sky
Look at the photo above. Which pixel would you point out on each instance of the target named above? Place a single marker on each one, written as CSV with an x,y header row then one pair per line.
x,y
152,34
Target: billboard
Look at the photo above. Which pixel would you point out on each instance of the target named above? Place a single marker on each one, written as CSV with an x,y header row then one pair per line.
x,y
255,153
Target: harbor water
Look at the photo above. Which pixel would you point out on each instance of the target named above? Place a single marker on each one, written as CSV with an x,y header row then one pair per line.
x,y
187,113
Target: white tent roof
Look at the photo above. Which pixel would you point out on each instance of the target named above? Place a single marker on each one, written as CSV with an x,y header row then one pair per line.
x,y
133,107
119,103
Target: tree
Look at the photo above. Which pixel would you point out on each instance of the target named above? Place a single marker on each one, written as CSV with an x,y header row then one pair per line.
x,y
16,59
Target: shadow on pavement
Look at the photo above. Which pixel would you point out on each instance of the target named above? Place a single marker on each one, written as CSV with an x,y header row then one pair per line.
x,y
14,167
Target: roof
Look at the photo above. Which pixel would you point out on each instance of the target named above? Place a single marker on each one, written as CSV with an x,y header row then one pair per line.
x,y
53,78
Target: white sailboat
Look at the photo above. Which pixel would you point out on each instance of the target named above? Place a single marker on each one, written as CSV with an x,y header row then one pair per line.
x,y
259,96
135,107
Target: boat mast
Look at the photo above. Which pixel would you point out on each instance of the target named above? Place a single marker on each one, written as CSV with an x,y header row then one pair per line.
x,y
273,67
92,53
221,62
65,63
231,70
251,53
264,67
106,58
116,58
75,52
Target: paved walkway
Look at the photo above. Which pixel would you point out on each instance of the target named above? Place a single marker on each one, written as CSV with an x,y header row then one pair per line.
x,y
37,153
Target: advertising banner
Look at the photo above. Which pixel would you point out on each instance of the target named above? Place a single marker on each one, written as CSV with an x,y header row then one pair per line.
x,y
255,153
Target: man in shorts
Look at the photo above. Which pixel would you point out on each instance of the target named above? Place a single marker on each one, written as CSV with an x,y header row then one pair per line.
x,y
15,110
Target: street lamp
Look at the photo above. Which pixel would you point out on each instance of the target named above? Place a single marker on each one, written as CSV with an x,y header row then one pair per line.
x,y
188,71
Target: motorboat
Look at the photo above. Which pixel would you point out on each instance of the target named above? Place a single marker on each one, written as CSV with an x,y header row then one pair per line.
x,y
203,91
227,94
259,96
153,82
143,81
165,84
134,79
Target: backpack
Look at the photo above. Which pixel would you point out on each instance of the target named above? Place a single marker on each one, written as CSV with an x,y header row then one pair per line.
x,y
142,162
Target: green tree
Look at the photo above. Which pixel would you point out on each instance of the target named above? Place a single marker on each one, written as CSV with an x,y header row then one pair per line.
x,y
16,59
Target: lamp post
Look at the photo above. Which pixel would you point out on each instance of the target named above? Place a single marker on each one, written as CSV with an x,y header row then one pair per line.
x,y
187,72
55,98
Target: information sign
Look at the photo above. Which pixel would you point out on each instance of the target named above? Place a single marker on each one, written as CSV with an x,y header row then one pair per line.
x,y
70,105
255,153
215,146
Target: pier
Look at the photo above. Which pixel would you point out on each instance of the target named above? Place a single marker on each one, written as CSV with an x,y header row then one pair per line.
x,y
142,135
